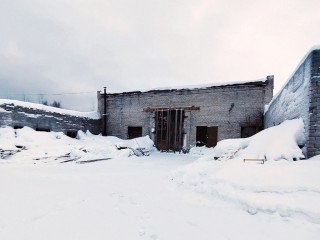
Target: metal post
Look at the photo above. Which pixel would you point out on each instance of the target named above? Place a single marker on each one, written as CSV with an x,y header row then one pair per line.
x,y
167,138
175,130
105,112
161,128
156,129
180,131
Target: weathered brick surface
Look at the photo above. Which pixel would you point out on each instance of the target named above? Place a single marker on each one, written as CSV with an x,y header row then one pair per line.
x,y
248,100
300,98
37,118
314,124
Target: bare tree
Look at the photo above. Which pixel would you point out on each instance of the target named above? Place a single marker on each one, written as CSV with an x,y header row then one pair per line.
x,y
56,104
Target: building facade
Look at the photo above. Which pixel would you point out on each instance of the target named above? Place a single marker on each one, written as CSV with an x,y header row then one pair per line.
x,y
185,117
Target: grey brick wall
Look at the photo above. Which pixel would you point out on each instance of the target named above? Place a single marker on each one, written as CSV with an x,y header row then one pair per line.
x,y
299,98
314,123
37,118
248,100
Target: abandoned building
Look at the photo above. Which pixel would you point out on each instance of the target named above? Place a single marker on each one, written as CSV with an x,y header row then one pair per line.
x,y
180,118
177,119
18,114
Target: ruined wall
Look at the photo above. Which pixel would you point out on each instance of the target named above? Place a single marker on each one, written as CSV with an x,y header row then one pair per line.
x,y
299,98
229,107
314,124
19,116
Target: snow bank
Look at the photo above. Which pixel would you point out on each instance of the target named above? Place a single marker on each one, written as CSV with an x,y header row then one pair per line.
x,y
91,115
48,146
275,143
7,137
288,188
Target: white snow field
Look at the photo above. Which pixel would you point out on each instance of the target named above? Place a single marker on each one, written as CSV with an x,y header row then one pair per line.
x,y
50,190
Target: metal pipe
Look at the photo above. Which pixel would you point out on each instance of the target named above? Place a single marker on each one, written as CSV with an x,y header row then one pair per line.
x,y
105,112
168,132
156,129
161,129
180,130
175,129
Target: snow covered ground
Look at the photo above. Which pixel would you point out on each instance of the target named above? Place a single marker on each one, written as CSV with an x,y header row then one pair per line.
x,y
160,196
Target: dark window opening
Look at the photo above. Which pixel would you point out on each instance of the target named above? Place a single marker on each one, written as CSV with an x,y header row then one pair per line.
x,y
248,131
72,134
169,129
201,136
134,132
17,127
206,136
43,129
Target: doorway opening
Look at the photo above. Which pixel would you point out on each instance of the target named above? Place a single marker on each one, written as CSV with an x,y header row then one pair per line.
x,y
169,129
206,136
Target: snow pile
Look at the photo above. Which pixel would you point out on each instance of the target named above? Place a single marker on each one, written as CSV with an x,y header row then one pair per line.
x,y
49,146
288,188
91,115
275,143
7,137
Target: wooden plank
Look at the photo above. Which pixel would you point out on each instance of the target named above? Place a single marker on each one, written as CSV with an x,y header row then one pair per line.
x,y
192,108
254,159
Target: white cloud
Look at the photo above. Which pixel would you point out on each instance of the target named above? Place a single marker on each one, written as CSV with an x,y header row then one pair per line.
x,y
82,45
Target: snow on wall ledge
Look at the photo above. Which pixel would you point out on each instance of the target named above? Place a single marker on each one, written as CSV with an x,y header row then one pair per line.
x,y
299,98
37,116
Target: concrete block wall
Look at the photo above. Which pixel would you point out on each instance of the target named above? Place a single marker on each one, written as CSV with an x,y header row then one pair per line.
x,y
314,122
15,115
229,107
299,98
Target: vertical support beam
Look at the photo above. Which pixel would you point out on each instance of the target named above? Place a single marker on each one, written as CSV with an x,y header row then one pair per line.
x,y
156,128
104,111
175,129
161,129
180,130
168,132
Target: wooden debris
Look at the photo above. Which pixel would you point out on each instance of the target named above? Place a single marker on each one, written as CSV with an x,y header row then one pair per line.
x,y
254,159
93,160
71,160
6,153
192,108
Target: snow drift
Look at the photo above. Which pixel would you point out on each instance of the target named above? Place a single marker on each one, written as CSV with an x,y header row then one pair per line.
x,y
275,143
287,188
28,144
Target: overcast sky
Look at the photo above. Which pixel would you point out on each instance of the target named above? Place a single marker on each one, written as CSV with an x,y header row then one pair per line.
x,y
82,45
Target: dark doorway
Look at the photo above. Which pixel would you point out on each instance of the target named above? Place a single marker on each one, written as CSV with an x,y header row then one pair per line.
x,y
169,127
42,129
212,136
248,131
206,136
201,136
72,134
134,132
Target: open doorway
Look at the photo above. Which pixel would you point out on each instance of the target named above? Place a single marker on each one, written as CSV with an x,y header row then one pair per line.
x,y
168,129
206,136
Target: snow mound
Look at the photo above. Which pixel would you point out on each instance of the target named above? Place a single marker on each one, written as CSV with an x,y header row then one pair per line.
x,y
275,143
7,137
49,147
288,188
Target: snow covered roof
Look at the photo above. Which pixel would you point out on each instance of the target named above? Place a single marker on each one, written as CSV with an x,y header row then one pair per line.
x,y
199,86
91,115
